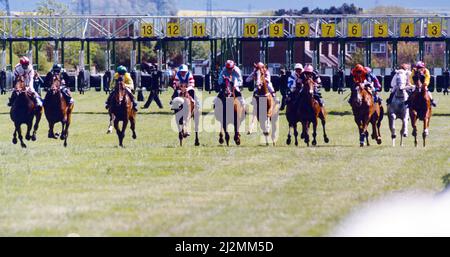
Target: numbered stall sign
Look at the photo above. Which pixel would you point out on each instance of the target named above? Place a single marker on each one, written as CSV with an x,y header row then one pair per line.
x,y
302,30
250,30
407,30
173,29
147,30
380,30
328,30
434,30
199,30
354,30
276,30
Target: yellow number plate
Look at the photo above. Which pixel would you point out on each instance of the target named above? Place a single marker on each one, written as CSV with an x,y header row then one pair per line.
x,y
380,30
276,30
250,30
173,29
407,30
302,30
354,30
199,30
328,30
147,30
434,30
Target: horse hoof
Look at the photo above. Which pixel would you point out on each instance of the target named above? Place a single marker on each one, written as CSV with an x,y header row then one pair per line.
x,y
327,140
314,143
23,145
361,144
248,132
379,141
296,143
62,137
65,144
197,143
28,137
288,141
134,136
14,141
221,141
33,138
109,131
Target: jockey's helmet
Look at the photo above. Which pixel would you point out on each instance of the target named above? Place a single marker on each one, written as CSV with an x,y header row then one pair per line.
x,y
24,61
309,68
298,66
230,64
121,70
260,65
183,68
420,64
57,67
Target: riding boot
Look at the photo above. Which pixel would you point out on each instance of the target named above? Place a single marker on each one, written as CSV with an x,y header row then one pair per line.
x,y
319,99
133,99
433,102
67,96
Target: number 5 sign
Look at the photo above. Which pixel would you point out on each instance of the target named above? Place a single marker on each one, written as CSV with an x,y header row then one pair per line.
x,y
380,30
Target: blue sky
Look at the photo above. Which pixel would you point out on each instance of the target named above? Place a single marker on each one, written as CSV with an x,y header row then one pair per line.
x,y
244,5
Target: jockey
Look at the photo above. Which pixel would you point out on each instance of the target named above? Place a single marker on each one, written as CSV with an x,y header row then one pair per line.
x,y
371,78
184,76
309,72
128,82
294,79
234,73
57,70
420,72
359,75
400,81
252,76
24,69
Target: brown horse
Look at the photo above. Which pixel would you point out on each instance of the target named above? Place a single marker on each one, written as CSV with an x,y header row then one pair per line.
x,y
420,108
366,111
265,104
309,111
185,109
23,111
121,109
57,110
226,115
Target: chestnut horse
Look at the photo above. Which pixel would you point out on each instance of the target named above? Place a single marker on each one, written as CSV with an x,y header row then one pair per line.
x,y
57,110
225,114
265,105
366,111
121,109
420,108
23,111
185,109
309,112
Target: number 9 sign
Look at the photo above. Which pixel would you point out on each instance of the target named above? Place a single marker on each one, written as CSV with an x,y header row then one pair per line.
x,y
276,30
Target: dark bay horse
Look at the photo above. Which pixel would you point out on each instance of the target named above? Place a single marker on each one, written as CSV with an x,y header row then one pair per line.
x,y
57,110
121,109
265,105
366,111
309,112
420,108
226,115
23,111
185,109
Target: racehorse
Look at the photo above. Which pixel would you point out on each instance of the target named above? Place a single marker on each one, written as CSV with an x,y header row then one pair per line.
x,y
225,114
185,109
293,115
366,111
121,109
23,111
420,108
397,110
309,110
265,105
57,110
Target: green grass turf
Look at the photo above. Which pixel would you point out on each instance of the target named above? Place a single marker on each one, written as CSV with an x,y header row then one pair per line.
x,y
153,187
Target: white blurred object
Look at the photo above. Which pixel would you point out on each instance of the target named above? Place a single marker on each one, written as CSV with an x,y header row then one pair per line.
x,y
406,215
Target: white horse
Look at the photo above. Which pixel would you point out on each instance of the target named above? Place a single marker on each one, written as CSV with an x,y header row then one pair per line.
x,y
397,108
184,111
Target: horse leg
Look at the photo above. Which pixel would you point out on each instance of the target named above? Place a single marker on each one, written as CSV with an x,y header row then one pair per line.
x,y
51,133
36,124
14,140
237,138
314,134
66,133
414,126
305,132
19,131
253,118
118,132
323,120
29,126
221,136
425,130
288,140
63,130
133,127
227,138
110,127
296,134
392,127
196,124
124,128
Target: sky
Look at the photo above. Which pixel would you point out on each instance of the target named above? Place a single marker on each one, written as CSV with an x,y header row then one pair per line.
x,y
259,5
